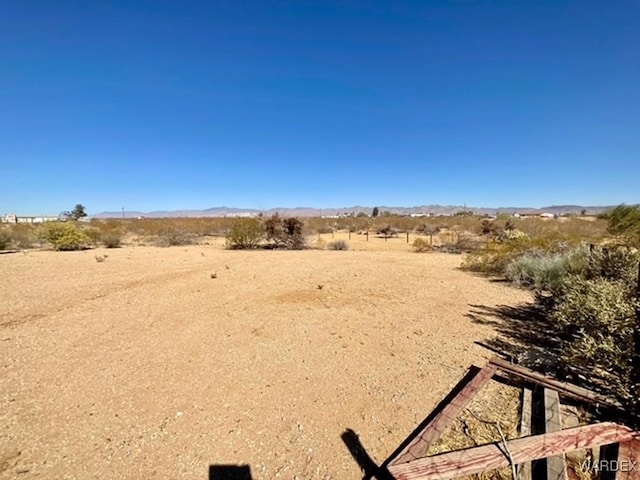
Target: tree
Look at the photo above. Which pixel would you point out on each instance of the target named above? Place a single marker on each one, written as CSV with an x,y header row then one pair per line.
x,y
375,212
77,213
583,212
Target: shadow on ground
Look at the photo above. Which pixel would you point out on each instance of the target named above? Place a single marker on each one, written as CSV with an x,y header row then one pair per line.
x,y
524,333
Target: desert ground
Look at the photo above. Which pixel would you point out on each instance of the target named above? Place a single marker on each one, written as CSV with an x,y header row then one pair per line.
x,y
157,363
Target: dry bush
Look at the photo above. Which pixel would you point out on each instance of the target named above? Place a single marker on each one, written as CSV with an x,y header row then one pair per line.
x,y
172,235
285,233
6,239
111,240
24,235
421,245
338,245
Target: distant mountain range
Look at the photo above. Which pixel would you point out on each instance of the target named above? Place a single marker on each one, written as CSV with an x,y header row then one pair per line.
x,y
318,212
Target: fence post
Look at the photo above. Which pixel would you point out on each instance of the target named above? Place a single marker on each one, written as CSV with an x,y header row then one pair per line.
x,y
349,234
635,371
367,235
407,236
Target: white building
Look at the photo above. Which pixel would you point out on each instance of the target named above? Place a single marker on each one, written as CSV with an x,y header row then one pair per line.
x,y
13,218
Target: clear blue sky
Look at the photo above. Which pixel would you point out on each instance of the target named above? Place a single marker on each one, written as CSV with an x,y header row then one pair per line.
x,y
159,104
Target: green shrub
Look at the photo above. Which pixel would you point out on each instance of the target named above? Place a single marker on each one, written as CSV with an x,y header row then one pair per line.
x,y
5,239
547,271
245,233
65,236
338,245
421,245
599,314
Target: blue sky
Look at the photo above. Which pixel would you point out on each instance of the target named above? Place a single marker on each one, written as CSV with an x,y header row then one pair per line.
x,y
163,104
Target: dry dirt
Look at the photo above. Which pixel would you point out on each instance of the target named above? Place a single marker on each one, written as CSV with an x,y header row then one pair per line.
x,y
143,366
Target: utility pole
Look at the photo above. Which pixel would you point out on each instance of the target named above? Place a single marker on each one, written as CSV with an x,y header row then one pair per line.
x,y
122,212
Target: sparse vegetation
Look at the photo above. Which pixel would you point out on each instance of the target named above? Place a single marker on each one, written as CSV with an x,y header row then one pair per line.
x,y
5,239
112,240
173,236
338,245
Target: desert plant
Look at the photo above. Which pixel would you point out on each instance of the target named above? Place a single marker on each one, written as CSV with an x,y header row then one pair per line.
x,y
547,271
111,240
65,236
599,315
386,231
338,245
5,239
421,245
172,236
245,233
285,232
325,229
624,221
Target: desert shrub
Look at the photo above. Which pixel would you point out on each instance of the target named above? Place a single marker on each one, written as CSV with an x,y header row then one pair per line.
x,y
616,263
421,245
245,233
495,261
386,231
172,236
64,236
490,228
338,245
512,234
94,235
111,240
24,235
285,232
5,239
599,315
624,221
547,271
325,229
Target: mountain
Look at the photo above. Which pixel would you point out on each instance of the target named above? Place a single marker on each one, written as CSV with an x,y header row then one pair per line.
x,y
317,212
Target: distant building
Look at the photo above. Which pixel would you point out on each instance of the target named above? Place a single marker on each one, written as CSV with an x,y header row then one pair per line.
x,y
13,218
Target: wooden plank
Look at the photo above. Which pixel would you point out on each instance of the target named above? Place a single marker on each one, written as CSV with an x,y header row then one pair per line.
x,y
493,456
556,467
562,387
629,460
431,432
524,472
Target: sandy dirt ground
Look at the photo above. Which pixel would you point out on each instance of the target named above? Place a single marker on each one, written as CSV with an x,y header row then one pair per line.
x,y
145,366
